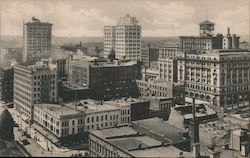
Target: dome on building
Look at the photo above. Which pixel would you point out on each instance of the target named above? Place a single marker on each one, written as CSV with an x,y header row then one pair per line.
x,y
206,22
6,125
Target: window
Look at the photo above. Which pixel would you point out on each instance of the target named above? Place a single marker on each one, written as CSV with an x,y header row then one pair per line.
x,y
73,122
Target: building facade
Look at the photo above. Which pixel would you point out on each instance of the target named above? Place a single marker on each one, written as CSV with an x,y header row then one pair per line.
x,y
6,84
79,71
109,39
114,80
206,41
61,68
60,121
162,89
220,77
168,69
168,52
231,41
124,38
148,55
37,40
33,84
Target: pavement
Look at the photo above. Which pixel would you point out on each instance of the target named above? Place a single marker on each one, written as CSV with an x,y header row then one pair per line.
x,y
33,147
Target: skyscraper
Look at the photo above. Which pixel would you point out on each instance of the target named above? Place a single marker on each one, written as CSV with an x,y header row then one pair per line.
x,y
34,84
36,40
109,39
126,37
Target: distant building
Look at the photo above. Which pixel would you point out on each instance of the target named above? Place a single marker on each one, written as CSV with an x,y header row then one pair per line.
x,y
168,52
6,84
34,84
71,91
61,68
160,107
64,124
139,108
206,40
106,79
168,70
124,38
149,54
37,40
3,53
127,142
181,115
231,41
162,89
109,39
79,70
220,77
217,133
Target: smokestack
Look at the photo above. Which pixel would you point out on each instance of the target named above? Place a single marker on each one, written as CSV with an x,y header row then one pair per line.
x,y
195,125
195,134
228,31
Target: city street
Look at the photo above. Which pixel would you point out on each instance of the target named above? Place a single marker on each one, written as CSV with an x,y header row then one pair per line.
x,y
33,147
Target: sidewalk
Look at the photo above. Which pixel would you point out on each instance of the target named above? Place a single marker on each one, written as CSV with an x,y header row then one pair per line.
x,y
34,148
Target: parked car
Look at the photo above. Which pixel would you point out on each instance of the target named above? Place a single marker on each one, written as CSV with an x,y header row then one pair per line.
x,y
24,140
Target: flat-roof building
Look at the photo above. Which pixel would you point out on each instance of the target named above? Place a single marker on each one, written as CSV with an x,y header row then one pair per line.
x,y
127,142
34,84
37,40
220,76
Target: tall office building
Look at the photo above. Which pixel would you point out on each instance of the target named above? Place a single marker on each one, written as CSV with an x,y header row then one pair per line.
x,y
33,84
109,39
36,40
124,38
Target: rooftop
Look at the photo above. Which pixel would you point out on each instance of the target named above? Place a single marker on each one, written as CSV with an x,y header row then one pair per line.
x,y
115,132
92,106
36,21
115,63
207,22
74,86
218,127
162,128
135,143
132,143
164,151
58,110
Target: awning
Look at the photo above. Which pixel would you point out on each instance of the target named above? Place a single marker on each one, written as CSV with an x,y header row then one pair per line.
x,y
46,133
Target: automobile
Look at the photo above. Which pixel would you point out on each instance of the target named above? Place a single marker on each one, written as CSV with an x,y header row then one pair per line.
x,y
15,124
24,140
9,105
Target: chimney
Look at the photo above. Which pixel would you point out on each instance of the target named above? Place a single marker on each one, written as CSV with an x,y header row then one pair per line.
x,y
195,125
195,134
228,31
139,147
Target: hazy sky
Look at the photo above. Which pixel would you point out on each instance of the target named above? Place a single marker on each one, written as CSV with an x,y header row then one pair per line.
x,y
157,17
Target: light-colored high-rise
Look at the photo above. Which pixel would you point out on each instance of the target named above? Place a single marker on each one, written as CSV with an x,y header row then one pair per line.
x,y
33,84
127,35
36,40
109,39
